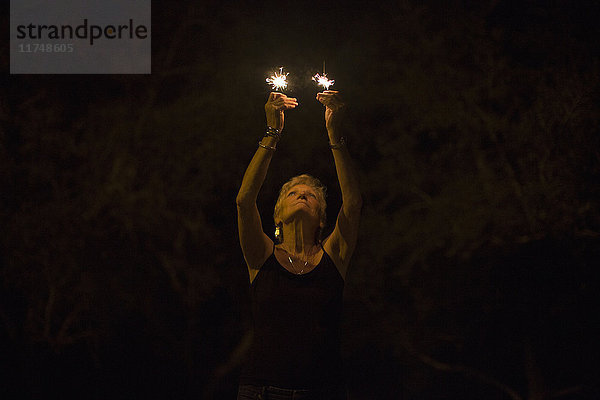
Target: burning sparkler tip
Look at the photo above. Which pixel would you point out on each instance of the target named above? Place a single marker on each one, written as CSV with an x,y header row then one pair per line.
x,y
278,81
323,81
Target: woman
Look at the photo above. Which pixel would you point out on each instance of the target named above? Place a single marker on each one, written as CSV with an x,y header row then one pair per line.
x,y
297,284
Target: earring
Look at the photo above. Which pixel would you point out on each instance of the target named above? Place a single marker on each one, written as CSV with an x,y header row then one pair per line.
x,y
278,233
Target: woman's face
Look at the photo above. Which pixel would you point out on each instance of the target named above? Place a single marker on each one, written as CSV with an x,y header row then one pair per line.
x,y
300,199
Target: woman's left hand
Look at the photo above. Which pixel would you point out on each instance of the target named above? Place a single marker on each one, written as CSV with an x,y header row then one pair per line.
x,y
334,107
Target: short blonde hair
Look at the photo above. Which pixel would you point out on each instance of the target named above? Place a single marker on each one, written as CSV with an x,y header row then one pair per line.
x,y
308,180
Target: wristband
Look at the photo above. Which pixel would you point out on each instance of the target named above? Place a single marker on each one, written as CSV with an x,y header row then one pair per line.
x,y
273,132
338,145
267,147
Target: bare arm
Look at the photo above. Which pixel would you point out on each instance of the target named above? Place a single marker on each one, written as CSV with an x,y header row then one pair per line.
x,y
342,241
256,245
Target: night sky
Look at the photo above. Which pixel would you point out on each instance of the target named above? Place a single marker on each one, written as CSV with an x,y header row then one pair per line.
x,y
474,127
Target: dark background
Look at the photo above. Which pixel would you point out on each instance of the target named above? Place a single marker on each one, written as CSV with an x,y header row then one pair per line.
x,y
475,131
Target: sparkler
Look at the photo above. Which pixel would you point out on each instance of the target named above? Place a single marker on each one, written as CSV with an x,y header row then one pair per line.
x,y
278,81
323,81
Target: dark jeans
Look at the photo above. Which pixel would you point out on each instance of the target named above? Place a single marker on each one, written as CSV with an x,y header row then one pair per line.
x,y
251,392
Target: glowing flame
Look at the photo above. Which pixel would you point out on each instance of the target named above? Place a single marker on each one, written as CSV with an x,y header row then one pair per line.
x,y
323,81
278,81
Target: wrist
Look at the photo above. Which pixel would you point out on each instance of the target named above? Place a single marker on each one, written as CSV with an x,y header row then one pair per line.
x,y
273,132
270,139
268,143
333,134
338,143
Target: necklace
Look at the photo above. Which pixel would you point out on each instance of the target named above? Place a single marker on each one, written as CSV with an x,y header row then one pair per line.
x,y
303,260
294,268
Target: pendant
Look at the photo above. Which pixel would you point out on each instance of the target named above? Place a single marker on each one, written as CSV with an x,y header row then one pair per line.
x,y
292,263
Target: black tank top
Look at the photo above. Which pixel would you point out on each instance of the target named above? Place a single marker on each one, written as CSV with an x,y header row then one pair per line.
x,y
296,327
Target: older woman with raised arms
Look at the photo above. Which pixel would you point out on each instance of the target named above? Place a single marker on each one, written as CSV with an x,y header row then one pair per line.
x,y
297,283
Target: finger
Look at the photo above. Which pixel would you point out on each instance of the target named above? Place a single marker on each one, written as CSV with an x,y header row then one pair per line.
x,y
328,92
290,104
321,97
324,96
329,97
282,100
285,105
327,100
275,96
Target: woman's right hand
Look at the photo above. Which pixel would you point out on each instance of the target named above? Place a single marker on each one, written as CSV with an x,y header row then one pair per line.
x,y
275,106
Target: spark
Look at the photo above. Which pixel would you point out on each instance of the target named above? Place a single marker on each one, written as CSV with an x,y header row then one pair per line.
x,y
323,81
278,81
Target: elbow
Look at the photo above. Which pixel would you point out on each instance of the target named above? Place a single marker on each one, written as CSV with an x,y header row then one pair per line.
x,y
240,200
243,200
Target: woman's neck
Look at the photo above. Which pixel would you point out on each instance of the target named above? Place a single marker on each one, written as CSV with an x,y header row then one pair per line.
x,y
299,238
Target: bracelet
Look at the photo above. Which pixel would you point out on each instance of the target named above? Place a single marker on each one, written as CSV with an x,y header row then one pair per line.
x,y
267,147
338,145
273,132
